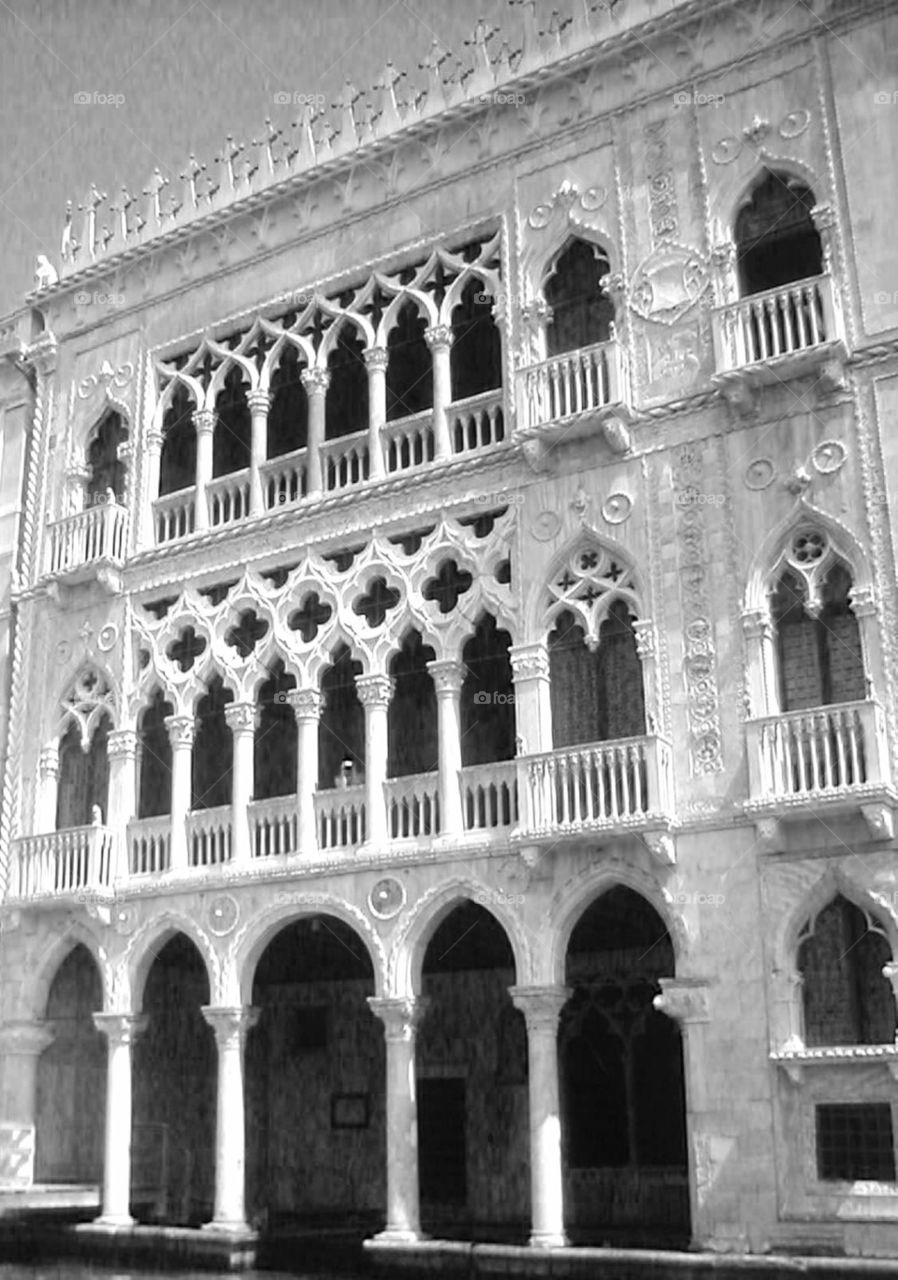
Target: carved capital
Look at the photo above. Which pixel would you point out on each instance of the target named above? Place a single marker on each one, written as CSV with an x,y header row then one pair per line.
x,y
824,217
541,1007
25,1039
614,283
662,846
438,337
684,999
529,662
617,434
242,717
258,401
48,761
401,1016
769,834
539,457
306,703
646,638
757,624
880,820
122,744
863,601
447,675
231,1025
890,971
203,420
41,355
316,381
376,358
374,691
181,730
723,255
154,442
121,1028
537,314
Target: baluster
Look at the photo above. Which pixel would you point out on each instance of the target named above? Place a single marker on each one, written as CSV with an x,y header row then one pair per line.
x,y
801,317
803,733
624,769
814,302
855,748
791,306
813,730
829,730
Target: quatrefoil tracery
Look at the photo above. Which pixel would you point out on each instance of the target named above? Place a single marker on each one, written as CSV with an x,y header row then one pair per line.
x,y
587,584
86,701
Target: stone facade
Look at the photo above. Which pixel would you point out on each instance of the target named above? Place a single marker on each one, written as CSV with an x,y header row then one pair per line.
x,y
679,463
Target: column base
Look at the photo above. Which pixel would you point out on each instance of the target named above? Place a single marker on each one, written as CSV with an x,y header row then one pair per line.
x,y
398,1235
229,1226
113,1221
548,1240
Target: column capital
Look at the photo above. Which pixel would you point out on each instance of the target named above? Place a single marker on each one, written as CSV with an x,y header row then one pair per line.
x,y
122,744
438,337
306,703
376,357
448,675
204,420
536,314
181,730
25,1039
757,624
685,1000
48,761
316,381
230,1024
529,661
862,601
154,441
541,1006
374,690
258,400
121,1028
242,717
401,1015
645,637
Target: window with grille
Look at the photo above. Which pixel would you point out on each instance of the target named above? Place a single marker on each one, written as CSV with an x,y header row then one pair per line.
x,y
855,1142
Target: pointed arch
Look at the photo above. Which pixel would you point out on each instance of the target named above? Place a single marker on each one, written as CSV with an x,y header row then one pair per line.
x,y
147,943
540,609
769,556
39,975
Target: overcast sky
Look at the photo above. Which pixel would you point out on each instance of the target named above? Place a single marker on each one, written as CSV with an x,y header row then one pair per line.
x,y
190,72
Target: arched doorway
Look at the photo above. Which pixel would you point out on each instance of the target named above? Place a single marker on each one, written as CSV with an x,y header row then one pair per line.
x,y
175,1079
621,1077
473,1136
71,1077
315,1082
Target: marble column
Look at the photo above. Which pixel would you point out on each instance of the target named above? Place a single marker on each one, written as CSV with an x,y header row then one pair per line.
x,y
48,788
401,1017
448,677
21,1045
231,1027
541,1007
242,719
374,693
154,443
204,423
181,733
376,363
439,339
122,806
306,705
121,1030
316,383
258,402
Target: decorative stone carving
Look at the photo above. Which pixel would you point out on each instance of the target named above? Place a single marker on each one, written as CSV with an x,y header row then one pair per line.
x,y
668,283
617,508
547,524
386,898
662,846
106,377
661,183
684,999
880,820
759,474
769,834
222,914
829,456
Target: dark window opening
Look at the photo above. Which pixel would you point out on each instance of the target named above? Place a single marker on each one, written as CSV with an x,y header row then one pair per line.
x,y
487,696
275,741
83,777
582,312
212,750
154,794
820,658
288,412
776,240
855,1142
233,426
476,353
177,465
846,997
596,696
346,402
409,365
107,472
412,720
341,729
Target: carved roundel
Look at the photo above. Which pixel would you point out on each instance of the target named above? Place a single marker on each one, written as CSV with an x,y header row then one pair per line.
x,y
124,920
759,474
546,525
63,651
222,914
617,508
107,638
387,898
795,123
829,456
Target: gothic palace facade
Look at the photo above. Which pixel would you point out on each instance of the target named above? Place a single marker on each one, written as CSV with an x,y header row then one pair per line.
x,y
450,650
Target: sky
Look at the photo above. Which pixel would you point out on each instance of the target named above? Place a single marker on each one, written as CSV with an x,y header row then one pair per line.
x,y
105,91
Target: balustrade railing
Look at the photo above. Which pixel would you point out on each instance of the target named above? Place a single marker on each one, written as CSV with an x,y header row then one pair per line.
x,y
95,534
408,442
174,515
62,862
489,794
273,826
209,836
227,498
285,479
779,322
823,749
413,806
477,423
149,845
575,382
340,817
344,462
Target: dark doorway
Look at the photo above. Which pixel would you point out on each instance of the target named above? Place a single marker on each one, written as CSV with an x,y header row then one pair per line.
x,y
442,1132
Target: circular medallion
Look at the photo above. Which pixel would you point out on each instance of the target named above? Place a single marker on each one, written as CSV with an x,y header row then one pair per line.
x,y
222,914
107,637
546,526
593,198
540,216
759,474
63,651
617,508
124,920
794,124
726,150
829,456
387,898
514,876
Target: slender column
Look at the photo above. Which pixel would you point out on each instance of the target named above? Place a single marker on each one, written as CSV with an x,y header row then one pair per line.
x,y
376,360
401,1018
447,678
21,1045
258,402
122,752
242,719
541,1007
439,339
231,1027
532,697
316,383
121,1030
181,733
48,788
154,442
374,693
306,705
204,422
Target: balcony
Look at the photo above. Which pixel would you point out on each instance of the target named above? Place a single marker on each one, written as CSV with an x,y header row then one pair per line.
x,y
825,760
783,333
62,864
87,545
577,393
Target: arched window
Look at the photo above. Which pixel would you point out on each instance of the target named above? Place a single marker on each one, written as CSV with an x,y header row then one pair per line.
x,y
818,646
177,465
341,729
846,997
107,471
487,696
475,356
412,721
155,759
346,403
596,691
83,776
233,426
409,365
213,751
776,240
275,741
288,413
582,312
